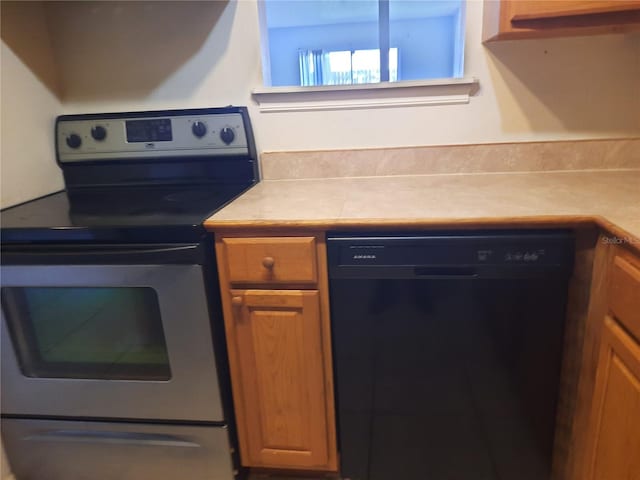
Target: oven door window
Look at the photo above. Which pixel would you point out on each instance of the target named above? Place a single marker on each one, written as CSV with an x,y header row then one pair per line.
x,y
87,332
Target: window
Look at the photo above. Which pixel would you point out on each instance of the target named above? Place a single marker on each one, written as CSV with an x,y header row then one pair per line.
x,y
338,42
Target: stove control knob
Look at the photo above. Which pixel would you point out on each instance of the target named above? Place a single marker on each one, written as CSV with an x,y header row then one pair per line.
x,y
199,129
99,133
227,135
74,140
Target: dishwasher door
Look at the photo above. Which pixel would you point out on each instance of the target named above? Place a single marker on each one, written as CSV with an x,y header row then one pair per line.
x,y
444,369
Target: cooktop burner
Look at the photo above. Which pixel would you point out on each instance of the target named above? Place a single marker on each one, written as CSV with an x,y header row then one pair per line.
x,y
96,212
177,205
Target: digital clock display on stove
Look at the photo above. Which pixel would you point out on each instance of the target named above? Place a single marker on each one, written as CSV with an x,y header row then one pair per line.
x,y
152,130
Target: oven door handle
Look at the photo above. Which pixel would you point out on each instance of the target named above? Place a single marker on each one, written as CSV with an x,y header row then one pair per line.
x,y
113,438
136,254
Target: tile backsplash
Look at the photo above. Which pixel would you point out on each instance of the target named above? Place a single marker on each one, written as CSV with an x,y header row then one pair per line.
x,y
451,159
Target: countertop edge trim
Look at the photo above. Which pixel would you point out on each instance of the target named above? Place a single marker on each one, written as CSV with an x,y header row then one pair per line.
x,y
627,238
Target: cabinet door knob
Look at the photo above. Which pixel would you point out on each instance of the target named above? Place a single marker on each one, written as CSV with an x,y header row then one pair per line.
x,y
236,301
268,262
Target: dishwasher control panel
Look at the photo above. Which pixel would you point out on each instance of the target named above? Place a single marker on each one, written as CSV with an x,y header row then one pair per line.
x,y
472,252
508,255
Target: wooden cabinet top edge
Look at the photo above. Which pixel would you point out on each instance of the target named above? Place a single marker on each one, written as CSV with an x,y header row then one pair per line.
x,y
319,228
509,20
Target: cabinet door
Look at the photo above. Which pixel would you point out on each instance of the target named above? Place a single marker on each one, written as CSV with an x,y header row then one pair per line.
x,y
281,379
512,19
614,433
541,9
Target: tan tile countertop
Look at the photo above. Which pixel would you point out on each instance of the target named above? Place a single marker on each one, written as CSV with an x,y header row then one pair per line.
x,y
610,198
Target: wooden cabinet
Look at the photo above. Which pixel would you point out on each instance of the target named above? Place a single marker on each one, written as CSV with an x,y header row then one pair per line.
x,y
612,447
512,19
613,450
275,302
624,292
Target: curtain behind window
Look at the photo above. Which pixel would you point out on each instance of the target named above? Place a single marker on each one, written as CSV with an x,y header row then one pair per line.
x,y
312,67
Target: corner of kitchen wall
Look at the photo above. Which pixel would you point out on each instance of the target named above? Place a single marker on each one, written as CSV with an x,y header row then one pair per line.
x,y
126,51
29,104
576,84
25,31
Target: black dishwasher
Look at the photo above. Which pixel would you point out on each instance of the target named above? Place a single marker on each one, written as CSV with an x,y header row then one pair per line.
x,y
447,351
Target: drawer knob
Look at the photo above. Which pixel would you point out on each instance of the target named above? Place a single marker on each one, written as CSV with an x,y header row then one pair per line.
x,y
236,301
268,262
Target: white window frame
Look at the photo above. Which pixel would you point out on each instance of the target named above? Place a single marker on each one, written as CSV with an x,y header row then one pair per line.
x,y
446,91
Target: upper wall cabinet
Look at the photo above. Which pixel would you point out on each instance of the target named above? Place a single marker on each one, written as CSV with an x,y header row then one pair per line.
x,y
513,19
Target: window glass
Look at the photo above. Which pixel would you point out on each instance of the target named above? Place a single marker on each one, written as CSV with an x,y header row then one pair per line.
x,y
345,67
337,42
87,332
430,37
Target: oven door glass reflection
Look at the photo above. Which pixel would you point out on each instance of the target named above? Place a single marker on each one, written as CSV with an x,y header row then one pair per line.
x,y
87,332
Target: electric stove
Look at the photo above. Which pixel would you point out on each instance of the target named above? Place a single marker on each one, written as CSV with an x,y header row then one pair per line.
x,y
113,348
147,176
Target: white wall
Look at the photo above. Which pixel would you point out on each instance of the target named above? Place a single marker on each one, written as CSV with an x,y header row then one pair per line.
x,y
583,87
29,106
115,56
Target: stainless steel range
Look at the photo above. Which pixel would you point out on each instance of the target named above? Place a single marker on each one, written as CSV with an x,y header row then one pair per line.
x,y
113,352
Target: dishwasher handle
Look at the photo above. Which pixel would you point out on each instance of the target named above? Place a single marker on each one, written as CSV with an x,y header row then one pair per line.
x,y
445,272
463,272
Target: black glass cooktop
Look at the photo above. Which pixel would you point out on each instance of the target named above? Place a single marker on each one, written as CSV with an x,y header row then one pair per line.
x,y
131,213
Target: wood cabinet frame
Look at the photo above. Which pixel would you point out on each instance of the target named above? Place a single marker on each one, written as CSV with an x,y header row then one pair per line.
x,y
614,426
517,19
597,335
291,296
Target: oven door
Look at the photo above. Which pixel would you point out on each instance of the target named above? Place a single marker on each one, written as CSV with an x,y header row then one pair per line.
x,y
107,341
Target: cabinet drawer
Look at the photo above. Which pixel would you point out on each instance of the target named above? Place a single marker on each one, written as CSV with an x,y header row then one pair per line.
x,y
63,450
271,260
624,294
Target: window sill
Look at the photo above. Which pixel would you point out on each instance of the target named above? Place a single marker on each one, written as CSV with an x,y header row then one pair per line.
x,y
371,95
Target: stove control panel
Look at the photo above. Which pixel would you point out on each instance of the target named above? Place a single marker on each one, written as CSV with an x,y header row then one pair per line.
x,y
151,135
